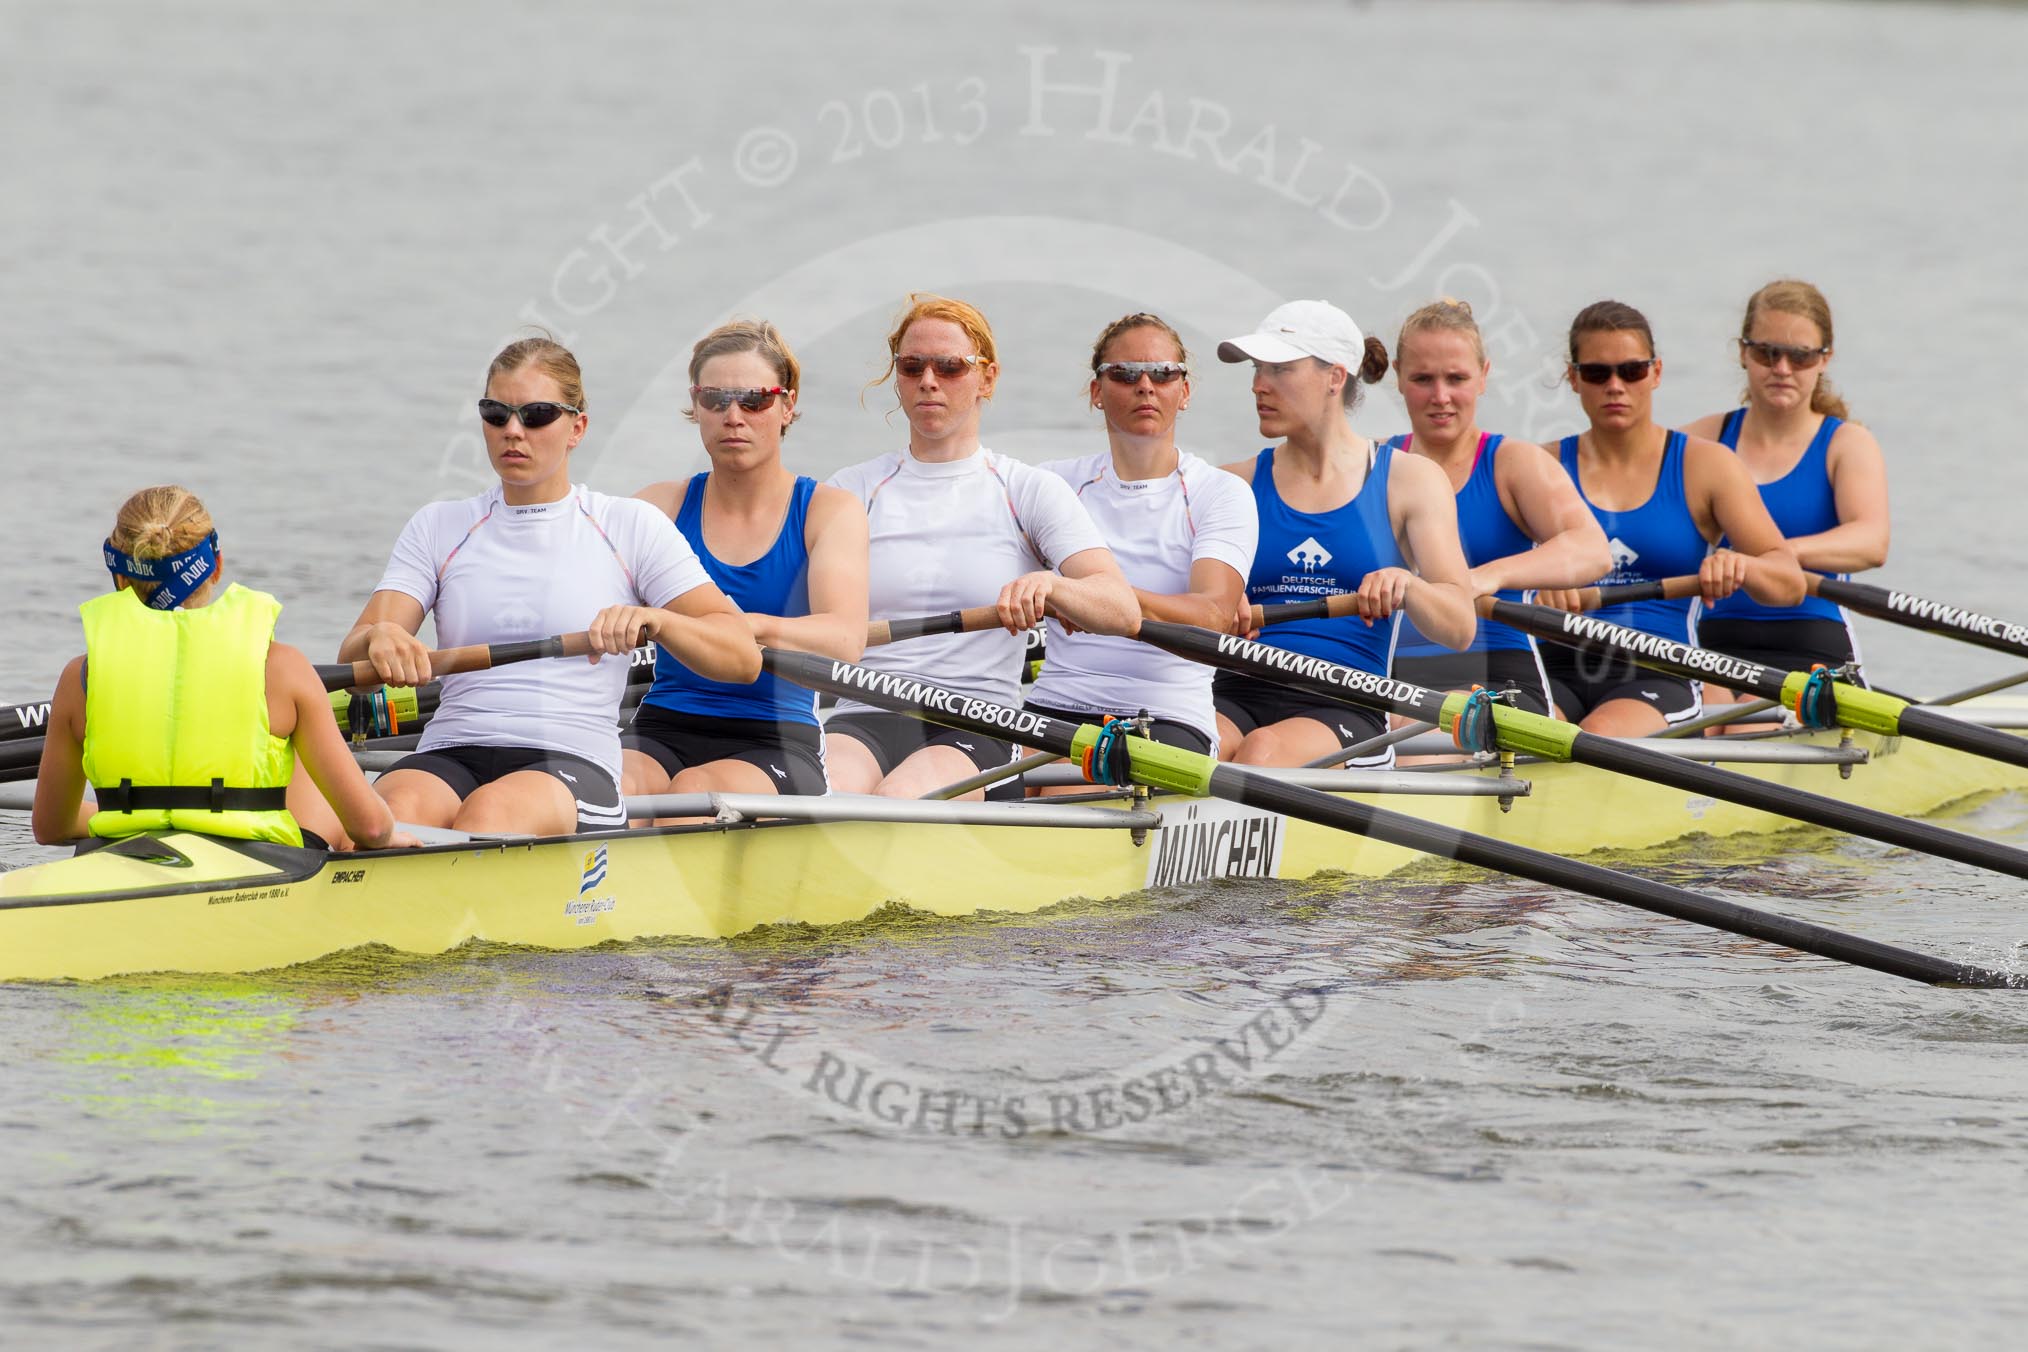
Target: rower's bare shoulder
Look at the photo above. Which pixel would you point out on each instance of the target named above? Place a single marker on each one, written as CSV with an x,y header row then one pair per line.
x,y
1705,428
1517,454
1710,467
1243,469
288,661
1420,474
1702,455
1853,440
666,497
1525,466
830,506
291,680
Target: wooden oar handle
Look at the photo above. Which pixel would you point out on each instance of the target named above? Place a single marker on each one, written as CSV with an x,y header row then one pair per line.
x,y
1334,607
471,657
972,621
1668,589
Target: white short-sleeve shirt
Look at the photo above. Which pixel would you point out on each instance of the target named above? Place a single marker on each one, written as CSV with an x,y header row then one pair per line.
x,y
496,573
1156,528
948,535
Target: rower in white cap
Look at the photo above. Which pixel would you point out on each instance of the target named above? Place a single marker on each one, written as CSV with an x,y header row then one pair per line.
x,y
1338,515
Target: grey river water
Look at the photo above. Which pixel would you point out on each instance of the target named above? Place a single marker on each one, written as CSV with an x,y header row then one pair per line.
x,y
268,252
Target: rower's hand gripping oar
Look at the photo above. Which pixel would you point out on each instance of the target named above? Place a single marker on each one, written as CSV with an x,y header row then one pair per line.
x,y
455,661
1182,771
1817,697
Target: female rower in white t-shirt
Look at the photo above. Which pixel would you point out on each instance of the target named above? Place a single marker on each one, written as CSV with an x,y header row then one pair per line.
x,y
954,525
1182,529
535,747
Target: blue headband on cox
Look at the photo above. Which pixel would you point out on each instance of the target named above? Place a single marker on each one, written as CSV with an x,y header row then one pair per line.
x,y
176,577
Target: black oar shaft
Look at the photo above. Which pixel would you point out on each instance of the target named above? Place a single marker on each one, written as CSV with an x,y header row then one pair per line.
x,y
1171,767
1893,717
22,721
1648,650
1592,880
1926,725
1365,690
1608,753
1899,607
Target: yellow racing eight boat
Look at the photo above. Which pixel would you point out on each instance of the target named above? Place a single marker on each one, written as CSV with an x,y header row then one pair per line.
x,y
1529,797
188,903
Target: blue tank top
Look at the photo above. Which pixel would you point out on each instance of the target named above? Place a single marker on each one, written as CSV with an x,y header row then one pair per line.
x,y
1801,503
1487,532
776,583
1305,555
1655,540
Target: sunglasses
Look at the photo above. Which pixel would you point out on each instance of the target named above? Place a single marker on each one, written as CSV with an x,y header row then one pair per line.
x,y
950,368
539,414
1767,354
719,400
1130,372
1599,372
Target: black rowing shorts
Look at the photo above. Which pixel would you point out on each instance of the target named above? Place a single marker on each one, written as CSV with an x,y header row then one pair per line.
x,y
893,738
1493,670
465,768
1580,682
1251,704
791,753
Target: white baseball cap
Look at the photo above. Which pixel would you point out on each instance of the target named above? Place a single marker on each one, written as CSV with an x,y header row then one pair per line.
x,y
1302,328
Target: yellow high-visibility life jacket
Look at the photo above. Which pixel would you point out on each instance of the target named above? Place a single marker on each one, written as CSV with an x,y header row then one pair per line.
x,y
176,718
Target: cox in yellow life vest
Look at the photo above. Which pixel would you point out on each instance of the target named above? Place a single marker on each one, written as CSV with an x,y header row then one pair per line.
x,y
176,718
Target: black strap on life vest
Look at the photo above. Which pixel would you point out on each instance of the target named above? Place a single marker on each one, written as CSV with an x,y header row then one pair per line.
x,y
126,796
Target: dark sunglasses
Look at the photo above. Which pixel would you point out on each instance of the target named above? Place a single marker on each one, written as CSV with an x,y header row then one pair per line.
x,y
539,414
1130,372
950,368
1599,372
719,400
1767,354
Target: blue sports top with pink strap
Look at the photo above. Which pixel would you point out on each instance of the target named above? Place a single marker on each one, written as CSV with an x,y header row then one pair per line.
x,y
1655,540
1802,503
1305,555
1487,532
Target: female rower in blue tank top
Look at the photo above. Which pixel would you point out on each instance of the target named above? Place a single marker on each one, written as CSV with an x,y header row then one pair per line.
x,y
1338,515
1521,522
1664,500
1821,475
791,553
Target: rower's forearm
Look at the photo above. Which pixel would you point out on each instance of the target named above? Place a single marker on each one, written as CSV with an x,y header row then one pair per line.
x,y
1444,612
55,822
718,647
1572,558
1854,547
1099,604
353,647
1773,579
1193,608
366,817
825,635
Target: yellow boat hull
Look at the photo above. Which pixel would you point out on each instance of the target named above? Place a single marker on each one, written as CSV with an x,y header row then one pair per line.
x,y
188,903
